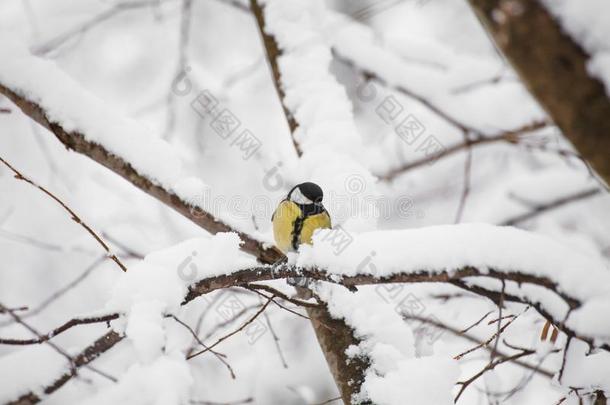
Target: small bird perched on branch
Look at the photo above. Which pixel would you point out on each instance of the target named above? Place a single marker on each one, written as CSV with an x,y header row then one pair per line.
x,y
297,216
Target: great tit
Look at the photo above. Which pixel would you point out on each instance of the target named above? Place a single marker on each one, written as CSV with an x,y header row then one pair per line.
x,y
297,216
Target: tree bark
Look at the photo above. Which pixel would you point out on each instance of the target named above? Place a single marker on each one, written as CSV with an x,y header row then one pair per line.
x,y
554,69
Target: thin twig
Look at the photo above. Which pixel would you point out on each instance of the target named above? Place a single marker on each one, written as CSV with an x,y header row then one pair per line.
x,y
474,340
62,291
276,340
46,340
278,293
511,137
181,66
90,353
328,401
42,338
239,402
249,321
219,356
466,187
488,341
73,215
280,305
552,205
476,323
48,46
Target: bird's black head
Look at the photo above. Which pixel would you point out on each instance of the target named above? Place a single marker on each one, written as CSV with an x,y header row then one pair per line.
x,y
311,192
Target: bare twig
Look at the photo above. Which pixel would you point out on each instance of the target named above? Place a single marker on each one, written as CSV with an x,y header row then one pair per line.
x,y
280,305
511,136
550,206
50,45
181,66
489,367
281,295
564,359
77,142
492,355
466,187
242,327
476,323
219,356
328,401
90,353
276,340
44,245
73,215
239,402
62,291
472,339
444,115
46,337
488,341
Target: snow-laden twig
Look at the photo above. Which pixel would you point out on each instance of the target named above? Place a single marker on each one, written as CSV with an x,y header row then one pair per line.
x,y
273,52
456,277
89,354
146,182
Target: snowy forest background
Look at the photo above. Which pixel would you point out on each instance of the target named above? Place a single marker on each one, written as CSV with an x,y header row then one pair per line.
x,y
405,112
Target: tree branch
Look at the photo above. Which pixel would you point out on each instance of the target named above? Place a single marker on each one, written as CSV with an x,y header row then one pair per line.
x,y
78,143
60,329
90,353
511,137
554,69
541,209
273,53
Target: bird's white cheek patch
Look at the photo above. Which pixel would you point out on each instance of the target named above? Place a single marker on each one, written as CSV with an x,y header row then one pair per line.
x,y
299,198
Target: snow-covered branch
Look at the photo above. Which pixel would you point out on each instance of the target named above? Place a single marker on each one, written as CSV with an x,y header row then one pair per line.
x,y
89,354
556,71
103,135
273,52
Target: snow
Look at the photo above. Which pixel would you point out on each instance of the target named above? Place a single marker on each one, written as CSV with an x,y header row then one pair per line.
x,y
67,103
437,49
423,381
17,367
327,133
482,246
167,381
387,342
152,289
586,370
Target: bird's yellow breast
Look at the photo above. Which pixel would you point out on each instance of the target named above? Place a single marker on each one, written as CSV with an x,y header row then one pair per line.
x,y
285,221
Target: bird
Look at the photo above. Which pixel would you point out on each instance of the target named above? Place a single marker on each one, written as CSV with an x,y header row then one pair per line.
x,y
298,215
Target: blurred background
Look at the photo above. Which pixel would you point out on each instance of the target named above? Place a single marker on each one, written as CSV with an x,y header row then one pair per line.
x,y
138,55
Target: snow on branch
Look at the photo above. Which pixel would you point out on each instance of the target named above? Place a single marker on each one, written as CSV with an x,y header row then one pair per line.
x,y
85,124
86,356
539,271
561,91
273,53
